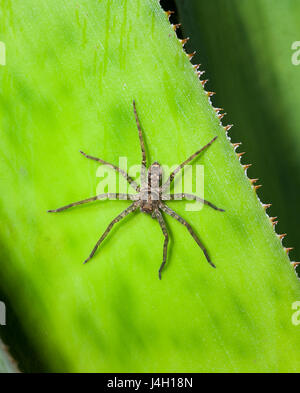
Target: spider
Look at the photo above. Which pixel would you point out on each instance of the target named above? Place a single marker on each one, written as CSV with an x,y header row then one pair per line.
x,y
150,196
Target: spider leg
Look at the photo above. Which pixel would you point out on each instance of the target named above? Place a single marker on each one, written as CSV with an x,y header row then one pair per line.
x,y
142,143
172,197
116,168
176,170
165,232
177,217
95,198
124,213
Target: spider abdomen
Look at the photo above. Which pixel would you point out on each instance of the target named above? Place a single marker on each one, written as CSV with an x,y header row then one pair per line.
x,y
149,200
146,207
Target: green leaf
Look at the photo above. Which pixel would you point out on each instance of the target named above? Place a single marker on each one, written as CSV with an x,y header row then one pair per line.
x,y
71,75
245,47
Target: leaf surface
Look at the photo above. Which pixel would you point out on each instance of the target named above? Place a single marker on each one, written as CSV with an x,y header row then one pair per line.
x,y
72,72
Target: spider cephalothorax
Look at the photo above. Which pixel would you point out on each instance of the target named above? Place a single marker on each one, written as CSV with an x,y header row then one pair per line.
x,y
150,193
150,196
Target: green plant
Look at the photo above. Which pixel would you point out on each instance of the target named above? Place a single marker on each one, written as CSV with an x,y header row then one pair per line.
x,y
71,75
245,47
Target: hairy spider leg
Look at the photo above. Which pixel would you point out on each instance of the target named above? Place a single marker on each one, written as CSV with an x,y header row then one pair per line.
x,y
166,241
174,197
116,168
142,143
177,217
176,170
95,198
124,213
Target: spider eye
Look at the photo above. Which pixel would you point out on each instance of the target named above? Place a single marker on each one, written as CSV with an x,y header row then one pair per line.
x,y
156,169
156,166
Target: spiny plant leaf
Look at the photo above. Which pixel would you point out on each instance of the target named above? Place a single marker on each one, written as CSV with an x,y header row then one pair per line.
x,y
246,49
71,75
